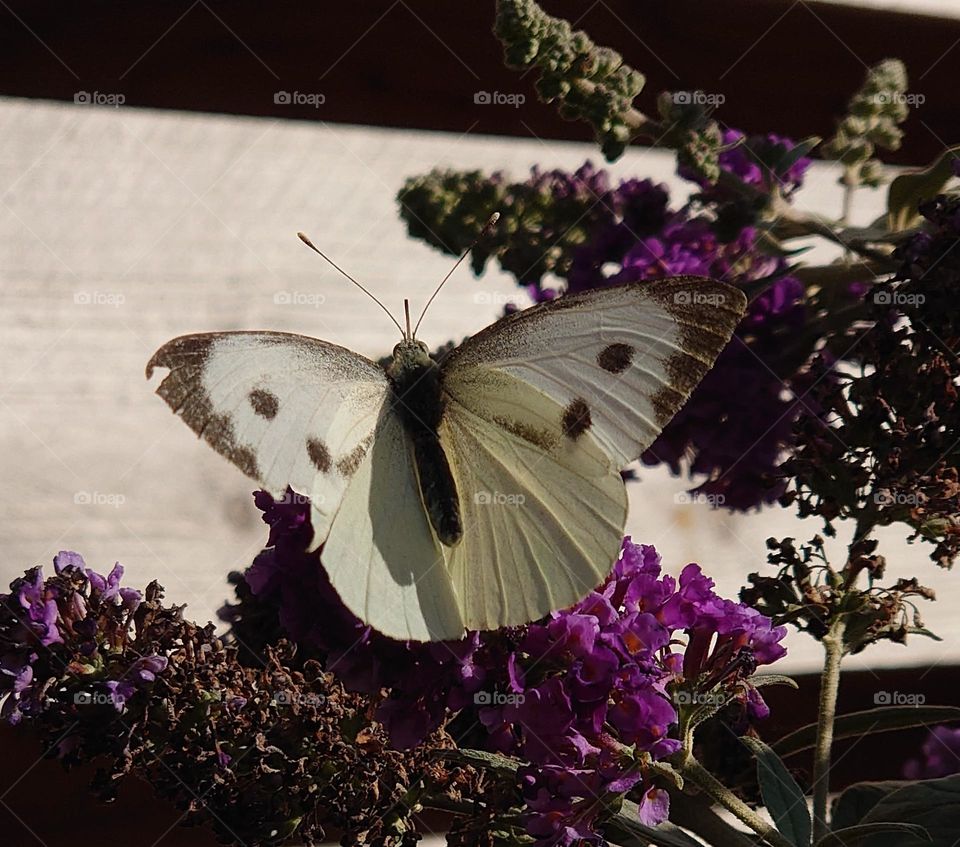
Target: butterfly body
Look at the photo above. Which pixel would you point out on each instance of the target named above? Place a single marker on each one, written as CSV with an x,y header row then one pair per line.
x,y
478,492
416,384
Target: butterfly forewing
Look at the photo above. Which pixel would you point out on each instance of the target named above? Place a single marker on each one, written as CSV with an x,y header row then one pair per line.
x,y
620,361
286,409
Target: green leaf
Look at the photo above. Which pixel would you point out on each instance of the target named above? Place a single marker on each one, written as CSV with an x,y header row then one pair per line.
x,y
759,680
852,805
852,835
910,189
933,804
482,759
883,719
626,829
783,797
791,156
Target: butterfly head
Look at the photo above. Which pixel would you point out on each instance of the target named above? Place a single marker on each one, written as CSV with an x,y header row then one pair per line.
x,y
410,355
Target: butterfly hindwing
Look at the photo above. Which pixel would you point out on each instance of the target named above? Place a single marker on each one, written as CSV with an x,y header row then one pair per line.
x,y
543,517
382,556
286,409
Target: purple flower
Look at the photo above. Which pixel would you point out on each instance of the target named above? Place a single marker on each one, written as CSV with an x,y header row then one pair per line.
x,y
738,422
757,161
577,695
940,755
42,620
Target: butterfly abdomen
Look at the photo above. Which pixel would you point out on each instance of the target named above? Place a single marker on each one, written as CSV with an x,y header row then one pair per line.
x,y
418,400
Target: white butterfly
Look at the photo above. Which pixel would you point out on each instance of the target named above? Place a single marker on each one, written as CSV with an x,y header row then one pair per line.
x,y
480,492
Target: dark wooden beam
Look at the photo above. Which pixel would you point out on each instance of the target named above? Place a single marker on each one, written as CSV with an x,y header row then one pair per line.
x,y
781,66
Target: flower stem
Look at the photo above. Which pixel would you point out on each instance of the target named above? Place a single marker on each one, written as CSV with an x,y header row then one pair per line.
x,y
829,686
692,769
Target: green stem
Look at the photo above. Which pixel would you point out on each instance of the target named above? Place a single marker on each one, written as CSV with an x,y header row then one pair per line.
x,y
793,223
849,189
829,686
642,125
692,769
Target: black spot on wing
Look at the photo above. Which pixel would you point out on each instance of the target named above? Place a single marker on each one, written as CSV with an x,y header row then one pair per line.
x,y
319,454
348,464
576,418
615,358
538,437
264,403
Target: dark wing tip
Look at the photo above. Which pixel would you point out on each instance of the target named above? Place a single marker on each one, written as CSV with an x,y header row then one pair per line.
x,y
181,351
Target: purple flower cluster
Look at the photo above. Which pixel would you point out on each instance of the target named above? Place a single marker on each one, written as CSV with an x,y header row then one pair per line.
x,y
740,419
586,697
44,621
939,756
757,161
593,691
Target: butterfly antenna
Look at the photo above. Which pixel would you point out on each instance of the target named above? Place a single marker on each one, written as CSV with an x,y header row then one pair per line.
x,y
313,247
487,227
406,313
